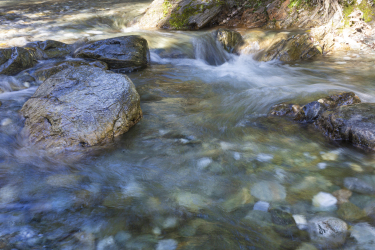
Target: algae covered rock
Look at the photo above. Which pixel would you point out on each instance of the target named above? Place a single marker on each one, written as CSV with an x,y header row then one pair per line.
x,y
298,47
180,14
122,54
81,107
48,49
14,60
230,39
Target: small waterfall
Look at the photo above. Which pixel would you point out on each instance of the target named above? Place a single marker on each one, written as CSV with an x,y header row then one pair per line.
x,y
208,49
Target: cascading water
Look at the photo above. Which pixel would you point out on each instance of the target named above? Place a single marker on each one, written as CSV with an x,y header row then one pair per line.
x,y
191,174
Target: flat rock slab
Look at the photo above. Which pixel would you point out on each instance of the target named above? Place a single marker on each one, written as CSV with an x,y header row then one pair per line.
x,y
81,107
353,123
122,54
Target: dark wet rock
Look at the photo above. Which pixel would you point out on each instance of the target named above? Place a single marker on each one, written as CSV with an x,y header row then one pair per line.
x,y
310,112
327,232
48,49
353,123
230,39
298,47
180,14
284,223
14,60
81,107
349,211
122,54
49,70
284,109
363,185
25,77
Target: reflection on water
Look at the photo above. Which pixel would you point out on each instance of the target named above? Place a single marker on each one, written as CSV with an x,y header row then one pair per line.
x,y
201,168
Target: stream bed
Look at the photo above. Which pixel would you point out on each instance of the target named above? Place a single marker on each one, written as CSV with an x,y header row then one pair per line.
x,y
205,163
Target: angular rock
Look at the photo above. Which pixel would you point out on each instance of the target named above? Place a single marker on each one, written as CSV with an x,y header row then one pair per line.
x,y
230,39
81,107
180,14
122,54
48,49
49,70
298,47
327,232
14,60
354,123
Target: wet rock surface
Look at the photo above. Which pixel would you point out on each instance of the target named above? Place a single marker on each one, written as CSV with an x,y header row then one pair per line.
x,y
230,39
328,232
122,54
14,60
298,47
48,49
81,107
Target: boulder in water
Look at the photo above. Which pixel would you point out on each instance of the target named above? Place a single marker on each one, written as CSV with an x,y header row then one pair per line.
x,y
230,39
180,14
122,54
48,49
14,60
327,232
353,123
298,47
268,191
81,107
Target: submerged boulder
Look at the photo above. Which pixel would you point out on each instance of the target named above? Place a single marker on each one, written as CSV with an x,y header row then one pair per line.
x,y
14,60
353,123
81,107
327,232
48,49
180,14
298,47
123,54
230,39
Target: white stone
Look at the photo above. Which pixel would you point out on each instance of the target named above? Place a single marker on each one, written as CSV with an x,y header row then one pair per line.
x,y
167,245
322,165
324,200
261,206
26,84
156,231
107,244
236,156
6,122
264,157
300,221
330,156
204,162
170,222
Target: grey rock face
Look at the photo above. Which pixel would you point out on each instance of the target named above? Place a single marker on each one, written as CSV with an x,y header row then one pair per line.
x,y
122,54
353,123
81,107
48,49
14,60
230,39
328,232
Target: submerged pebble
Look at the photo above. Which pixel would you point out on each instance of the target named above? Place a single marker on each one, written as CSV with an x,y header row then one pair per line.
x,y
167,245
268,191
324,201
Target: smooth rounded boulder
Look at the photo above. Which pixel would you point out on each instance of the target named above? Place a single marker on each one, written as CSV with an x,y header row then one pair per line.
x,y
122,54
81,107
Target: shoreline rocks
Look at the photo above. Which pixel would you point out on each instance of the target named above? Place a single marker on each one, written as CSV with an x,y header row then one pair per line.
x,y
81,107
14,60
122,54
340,117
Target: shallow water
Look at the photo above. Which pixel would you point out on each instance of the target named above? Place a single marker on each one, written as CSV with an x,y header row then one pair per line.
x,y
188,175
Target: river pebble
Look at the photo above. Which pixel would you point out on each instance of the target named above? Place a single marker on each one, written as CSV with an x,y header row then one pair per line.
x,y
107,244
204,163
364,185
350,212
364,234
324,201
327,232
261,206
300,221
268,191
167,245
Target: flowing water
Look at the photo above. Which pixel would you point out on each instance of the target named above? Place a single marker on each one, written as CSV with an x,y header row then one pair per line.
x,y
188,175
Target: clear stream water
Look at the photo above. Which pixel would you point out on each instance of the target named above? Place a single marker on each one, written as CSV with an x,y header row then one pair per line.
x,y
188,175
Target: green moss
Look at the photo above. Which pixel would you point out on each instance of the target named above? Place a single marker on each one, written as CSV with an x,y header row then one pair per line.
x,y
368,11
166,7
348,9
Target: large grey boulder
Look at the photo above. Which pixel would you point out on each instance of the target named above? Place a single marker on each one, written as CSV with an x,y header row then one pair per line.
x,y
81,107
48,49
122,54
327,232
353,123
229,39
180,14
14,60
